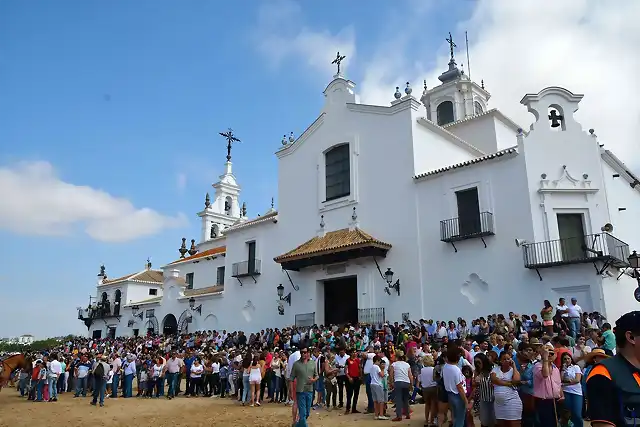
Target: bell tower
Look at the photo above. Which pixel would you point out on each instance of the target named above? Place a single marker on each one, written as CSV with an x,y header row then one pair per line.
x,y
223,209
457,97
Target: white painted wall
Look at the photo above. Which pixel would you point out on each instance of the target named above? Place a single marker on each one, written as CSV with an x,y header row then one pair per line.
x,y
388,146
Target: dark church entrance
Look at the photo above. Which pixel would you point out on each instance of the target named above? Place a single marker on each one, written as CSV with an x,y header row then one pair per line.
x,y
341,301
170,325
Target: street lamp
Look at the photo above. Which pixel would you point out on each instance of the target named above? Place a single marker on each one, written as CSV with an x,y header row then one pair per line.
x,y
192,305
280,290
388,277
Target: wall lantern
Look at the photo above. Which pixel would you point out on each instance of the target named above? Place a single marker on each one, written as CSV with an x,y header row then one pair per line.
x,y
282,299
192,305
634,260
388,277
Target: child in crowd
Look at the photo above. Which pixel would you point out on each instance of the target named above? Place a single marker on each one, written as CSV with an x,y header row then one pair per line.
x,y
468,378
109,382
224,382
144,381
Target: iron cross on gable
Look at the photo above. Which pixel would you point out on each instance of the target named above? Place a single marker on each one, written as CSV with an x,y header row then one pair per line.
x,y
451,44
555,118
230,137
338,60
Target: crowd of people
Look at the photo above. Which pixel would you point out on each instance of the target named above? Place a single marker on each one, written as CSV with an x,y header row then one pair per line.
x,y
503,370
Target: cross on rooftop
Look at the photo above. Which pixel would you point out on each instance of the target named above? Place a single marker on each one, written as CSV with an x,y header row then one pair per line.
x,y
230,137
338,60
555,118
451,44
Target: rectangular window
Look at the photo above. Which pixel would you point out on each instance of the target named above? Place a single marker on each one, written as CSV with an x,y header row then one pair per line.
x,y
189,280
251,264
153,292
571,233
150,313
220,279
468,212
337,172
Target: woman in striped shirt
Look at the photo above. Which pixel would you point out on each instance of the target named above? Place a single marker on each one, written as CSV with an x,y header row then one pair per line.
x,y
482,383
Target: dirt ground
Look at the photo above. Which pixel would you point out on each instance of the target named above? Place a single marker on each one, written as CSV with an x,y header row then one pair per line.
x,y
179,412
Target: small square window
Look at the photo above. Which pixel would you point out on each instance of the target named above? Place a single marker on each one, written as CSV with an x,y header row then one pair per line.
x,y
153,292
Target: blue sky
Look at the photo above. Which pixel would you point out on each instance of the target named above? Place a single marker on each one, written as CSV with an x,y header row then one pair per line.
x,y
112,107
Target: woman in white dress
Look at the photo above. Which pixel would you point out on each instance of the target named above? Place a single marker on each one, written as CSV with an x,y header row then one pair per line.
x,y
505,378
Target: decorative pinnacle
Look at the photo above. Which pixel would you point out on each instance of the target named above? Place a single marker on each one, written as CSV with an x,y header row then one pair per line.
x,y
243,211
207,201
272,203
192,249
408,89
397,95
291,138
183,248
284,139
354,215
148,263
321,221
482,84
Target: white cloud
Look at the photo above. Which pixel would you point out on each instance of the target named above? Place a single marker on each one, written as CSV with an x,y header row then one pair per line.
x,y
36,201
181,181
516,47
281,34
521,47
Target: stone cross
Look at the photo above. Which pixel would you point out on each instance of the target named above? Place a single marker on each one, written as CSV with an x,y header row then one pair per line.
x,y
338,60
230,137
555,118
451,44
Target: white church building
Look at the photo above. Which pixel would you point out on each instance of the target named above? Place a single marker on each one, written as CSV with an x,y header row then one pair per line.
x,y
433,208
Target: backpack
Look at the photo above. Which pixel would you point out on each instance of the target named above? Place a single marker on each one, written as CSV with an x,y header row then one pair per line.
x,y
99,371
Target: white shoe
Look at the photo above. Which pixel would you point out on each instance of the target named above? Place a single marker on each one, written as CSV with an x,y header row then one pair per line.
x,y
382,417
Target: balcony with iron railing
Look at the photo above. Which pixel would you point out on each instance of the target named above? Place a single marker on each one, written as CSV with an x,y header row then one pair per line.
x,y
475,227
100,310
602,247
246,268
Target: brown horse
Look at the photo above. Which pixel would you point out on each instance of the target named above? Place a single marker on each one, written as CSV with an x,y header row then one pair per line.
x,y
9,365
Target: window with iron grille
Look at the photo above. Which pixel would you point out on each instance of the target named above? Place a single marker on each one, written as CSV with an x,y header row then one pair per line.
x,y
189,280
337,172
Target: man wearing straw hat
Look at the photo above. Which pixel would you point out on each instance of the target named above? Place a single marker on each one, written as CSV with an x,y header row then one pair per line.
x,y
613,385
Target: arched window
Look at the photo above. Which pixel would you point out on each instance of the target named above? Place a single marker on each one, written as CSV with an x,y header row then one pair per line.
x,y
337,172
116,303
477,108
445,113
227,205
104,297
214,231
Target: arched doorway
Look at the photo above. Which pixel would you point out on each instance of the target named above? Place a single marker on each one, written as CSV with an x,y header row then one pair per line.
x,y
169,325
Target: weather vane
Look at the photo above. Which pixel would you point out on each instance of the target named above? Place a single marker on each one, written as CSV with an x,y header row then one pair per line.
x,y
338,60
230,137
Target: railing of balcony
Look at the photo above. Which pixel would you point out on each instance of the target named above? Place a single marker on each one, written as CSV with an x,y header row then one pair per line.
x,y
372,316
246,268
576,250
467,228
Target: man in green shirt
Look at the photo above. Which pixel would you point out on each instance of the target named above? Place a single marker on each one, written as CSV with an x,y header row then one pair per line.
x,y
305,374
608,338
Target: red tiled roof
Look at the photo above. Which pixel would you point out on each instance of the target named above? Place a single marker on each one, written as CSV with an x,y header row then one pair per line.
x,y
203,254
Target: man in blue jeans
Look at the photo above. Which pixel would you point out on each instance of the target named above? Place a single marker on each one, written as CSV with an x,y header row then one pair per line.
x,y
305,374
173,367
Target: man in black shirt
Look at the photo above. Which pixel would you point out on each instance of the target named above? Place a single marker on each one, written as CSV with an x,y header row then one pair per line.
x,y
613,386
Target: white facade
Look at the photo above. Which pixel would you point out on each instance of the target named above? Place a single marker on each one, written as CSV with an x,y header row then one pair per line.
x,y
505,246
